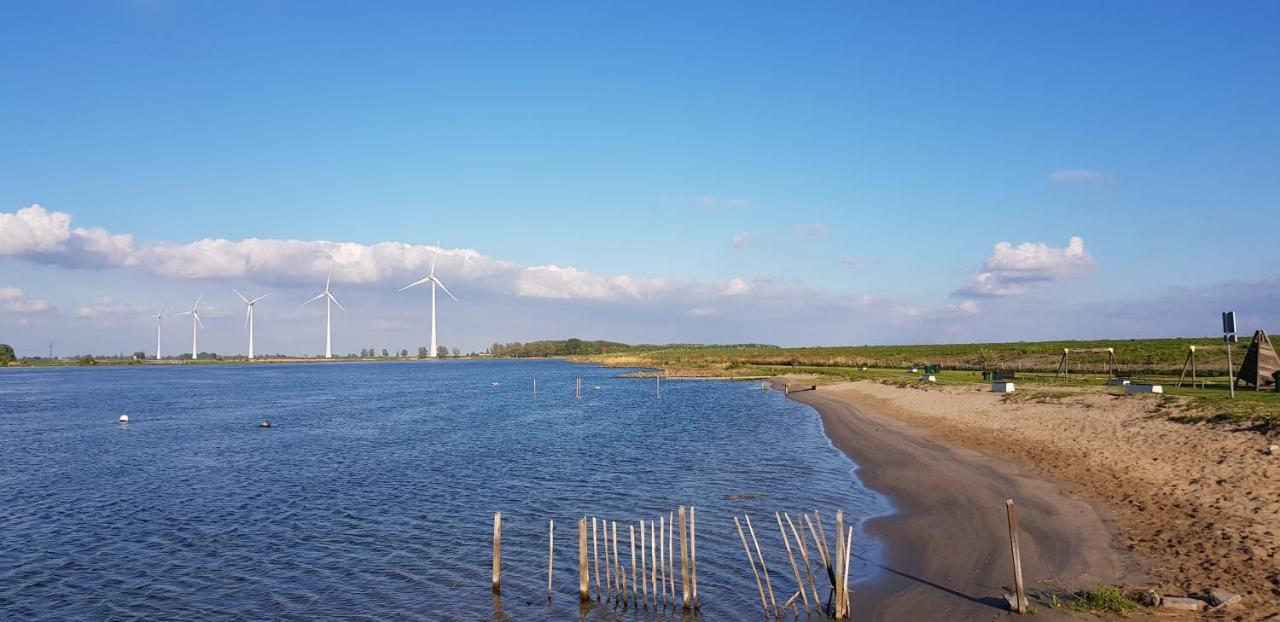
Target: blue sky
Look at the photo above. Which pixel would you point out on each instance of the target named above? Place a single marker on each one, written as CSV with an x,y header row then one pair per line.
x,y
868,159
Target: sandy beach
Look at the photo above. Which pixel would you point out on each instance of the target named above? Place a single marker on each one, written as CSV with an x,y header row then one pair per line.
x,y
1108,491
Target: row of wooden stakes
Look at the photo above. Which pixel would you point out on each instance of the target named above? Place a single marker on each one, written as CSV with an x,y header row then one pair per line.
x,y
835,564
652,577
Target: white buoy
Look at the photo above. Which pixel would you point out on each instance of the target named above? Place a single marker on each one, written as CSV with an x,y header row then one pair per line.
x,y
124,418
1002,387
929,378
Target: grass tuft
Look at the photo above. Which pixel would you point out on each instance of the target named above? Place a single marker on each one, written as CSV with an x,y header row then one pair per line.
x,y
1104,599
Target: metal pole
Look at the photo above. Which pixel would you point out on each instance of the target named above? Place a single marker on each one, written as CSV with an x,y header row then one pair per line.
x,y
1231,383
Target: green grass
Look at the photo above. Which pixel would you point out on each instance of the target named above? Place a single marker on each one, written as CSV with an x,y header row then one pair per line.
x,y
1102,599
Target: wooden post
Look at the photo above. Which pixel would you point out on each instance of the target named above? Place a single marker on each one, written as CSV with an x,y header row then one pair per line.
x,y
634,593
671,553
497,552
838,562
662,553
795,569
619,582
693,555
764,604
844,575
584,590
653,562
764,568
684,558
644,567
804,555
551,555
595,553
1017,557
535,386
608,567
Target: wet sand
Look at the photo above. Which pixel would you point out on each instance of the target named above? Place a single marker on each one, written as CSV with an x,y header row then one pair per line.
x,y
947,545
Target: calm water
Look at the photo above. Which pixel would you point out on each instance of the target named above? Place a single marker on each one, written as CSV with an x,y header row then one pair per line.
x,y
372,497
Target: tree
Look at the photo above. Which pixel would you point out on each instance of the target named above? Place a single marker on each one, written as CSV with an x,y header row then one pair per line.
x,y
442,352
87,359
364,352
139,355
384,353
422,352
6,354
404,353
457,353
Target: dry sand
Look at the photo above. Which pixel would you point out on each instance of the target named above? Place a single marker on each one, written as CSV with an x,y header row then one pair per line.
x,y
1095,476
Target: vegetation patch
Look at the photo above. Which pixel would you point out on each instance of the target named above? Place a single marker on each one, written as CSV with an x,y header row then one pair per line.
x,y
1102,599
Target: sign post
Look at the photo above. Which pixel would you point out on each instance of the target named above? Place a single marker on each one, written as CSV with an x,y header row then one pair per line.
x,y
1229,337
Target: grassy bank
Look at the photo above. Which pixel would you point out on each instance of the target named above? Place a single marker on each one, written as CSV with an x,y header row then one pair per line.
x,y
1154,361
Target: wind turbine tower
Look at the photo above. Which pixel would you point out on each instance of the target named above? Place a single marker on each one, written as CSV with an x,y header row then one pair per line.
x,y
328,313
159,316
434,280
195,320
248,315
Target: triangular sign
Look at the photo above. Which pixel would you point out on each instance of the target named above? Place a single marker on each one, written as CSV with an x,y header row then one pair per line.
x,y
1260,362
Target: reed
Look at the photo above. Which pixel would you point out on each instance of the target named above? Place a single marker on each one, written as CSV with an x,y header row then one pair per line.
x,y
795,569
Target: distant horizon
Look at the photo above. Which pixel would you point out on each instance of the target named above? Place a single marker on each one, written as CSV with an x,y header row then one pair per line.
x,y
817,174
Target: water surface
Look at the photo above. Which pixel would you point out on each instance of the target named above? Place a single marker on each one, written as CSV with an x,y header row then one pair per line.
x,y
372,496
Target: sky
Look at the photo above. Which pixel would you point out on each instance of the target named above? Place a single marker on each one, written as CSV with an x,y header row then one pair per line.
x,y
814,174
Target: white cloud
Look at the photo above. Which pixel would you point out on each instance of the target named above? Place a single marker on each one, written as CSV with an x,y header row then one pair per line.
x,y
16,301
35,231
736,287
1015,270
817,230
568,282
1079,175
740,240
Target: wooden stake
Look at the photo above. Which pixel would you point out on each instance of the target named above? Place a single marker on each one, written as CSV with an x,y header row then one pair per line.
x,y
551,555
634,594
653,562
662,554
608,577
671,553
838,562
644,567
804,555
1017,557
684,558
497,552
619,582
795,569
595,552
584,590
844,575
747,549
693,555
764,568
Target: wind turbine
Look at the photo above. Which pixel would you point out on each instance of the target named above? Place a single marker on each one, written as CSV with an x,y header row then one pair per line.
x,y
195,319
248,315
434,280
328,314
158,318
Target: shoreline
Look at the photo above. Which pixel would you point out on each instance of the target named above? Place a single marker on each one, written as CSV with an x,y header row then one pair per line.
x,y
947,552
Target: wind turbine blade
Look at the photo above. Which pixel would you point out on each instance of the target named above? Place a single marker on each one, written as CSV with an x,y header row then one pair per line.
x,y
246,317
183,313
328,279
166,306
318,297
446,289
259,298
198,298
335,301
434,258
246,300
424,279
198,320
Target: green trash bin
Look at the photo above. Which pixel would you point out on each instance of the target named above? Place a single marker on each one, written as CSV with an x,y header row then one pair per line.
x,y
932,369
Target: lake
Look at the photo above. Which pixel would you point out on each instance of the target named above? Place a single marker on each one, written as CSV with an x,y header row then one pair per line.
x,y
372,495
